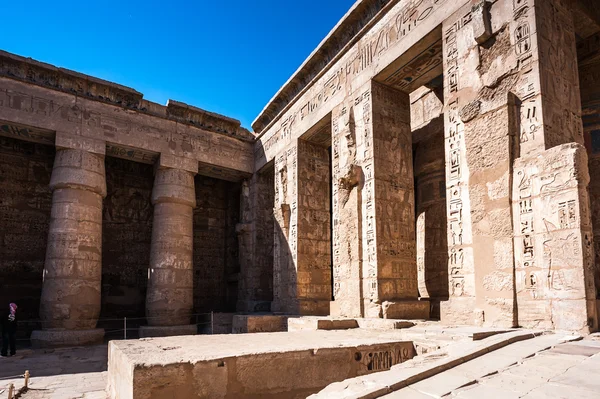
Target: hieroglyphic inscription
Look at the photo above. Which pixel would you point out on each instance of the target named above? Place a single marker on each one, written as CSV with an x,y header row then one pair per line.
x,y
455,173
116,129
359,58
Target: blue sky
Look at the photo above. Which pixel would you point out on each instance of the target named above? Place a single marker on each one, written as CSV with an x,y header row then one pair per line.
x,y
228,57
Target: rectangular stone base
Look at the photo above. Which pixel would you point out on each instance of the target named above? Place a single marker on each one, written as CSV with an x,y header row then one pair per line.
x,y
56,338
167,331
406,309
270,365
313,323
242,324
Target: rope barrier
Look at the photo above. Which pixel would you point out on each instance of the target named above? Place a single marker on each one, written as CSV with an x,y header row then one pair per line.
x,y
113,319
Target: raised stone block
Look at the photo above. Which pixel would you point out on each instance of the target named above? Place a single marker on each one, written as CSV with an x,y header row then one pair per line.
x,y
273,365
167,331
56,338
259,323
320,323
410,309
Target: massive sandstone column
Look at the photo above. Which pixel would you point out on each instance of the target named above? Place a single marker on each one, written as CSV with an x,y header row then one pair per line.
x,y
169,299
516,169
374,219
302,254
70,302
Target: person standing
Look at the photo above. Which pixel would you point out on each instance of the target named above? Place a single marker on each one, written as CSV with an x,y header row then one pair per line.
x,y
9,330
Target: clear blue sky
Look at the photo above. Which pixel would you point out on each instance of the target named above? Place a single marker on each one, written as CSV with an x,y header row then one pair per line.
x,y
225,56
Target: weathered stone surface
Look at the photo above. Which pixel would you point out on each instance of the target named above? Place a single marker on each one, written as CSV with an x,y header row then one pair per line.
x,y
427,160
282,365
72,271
169,300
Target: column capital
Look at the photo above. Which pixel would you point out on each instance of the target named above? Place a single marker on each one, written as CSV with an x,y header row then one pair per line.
x,y
174,185
78,169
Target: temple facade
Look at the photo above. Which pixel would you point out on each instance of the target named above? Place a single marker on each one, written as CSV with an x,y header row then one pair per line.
x,y
431,159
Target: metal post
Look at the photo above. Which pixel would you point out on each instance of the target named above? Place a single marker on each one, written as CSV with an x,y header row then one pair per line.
x,y
125,327
212,323
11,391
26,379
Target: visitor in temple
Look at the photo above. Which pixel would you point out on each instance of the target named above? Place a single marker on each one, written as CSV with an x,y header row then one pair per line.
x,y
9,330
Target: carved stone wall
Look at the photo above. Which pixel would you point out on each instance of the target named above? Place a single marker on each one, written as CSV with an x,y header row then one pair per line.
x,y
511,90
215,244
25,203
430,198
126,237
302,253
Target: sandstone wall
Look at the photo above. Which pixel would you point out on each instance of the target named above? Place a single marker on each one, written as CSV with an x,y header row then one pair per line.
x,y
215,244
126,236
25,202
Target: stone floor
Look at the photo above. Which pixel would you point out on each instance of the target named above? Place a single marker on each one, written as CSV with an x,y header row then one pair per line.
x,y
569,370
58,374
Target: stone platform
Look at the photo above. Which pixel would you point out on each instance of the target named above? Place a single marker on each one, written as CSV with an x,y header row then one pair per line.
x,y
268,365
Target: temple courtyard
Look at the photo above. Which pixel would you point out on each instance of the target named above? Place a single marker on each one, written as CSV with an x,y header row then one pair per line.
x,y
414,214
453,362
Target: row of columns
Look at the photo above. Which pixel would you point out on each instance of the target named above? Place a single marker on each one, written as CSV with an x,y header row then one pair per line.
x,y
71,293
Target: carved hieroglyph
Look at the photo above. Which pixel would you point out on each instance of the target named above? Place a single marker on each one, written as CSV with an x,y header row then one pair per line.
x,y
302,254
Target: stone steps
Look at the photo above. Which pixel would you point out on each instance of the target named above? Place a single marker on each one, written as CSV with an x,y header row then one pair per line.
x,y
446,369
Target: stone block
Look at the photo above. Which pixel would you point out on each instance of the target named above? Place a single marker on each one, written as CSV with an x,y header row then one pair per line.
x,y
271,365
410,309
320,323
258,323
167,331
56,338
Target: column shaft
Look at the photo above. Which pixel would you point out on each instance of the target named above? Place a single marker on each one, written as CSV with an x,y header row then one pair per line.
x,y
169,300
73,268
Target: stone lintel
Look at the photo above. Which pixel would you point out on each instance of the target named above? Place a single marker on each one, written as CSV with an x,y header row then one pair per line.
x,y
175,162
49,76
65,140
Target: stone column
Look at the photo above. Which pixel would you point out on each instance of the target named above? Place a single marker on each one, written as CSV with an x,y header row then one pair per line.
x,y
512,110
373,183
169,299
70,302
302,255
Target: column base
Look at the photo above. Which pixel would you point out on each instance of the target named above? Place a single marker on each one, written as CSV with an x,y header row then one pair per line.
x,y
167,331
55,338
406,309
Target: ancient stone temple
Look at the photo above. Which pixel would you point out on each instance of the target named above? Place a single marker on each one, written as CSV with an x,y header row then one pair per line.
x,y
431,159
